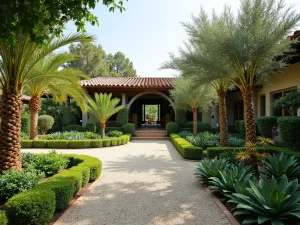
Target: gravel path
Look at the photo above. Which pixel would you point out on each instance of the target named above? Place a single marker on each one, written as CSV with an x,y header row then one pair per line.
x,y
144,183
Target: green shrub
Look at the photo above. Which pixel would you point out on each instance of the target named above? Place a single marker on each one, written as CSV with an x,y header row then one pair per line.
x,y
185,134
129,128
91,126
180,118
66,116
289,130
242,129
39,144
34,207
50,163
79,144
279,165
45,123
85,171
28,159
114,142
203,126
114,133
272,202
27,143
75,176
63,189
186,129
265,125
78,128
72,135
25,123
106,142
122,117
13,182
204,140
3,218
58,144
236,142
209,168
172,128
96,143
24,136
189,124
212,152
109,129
237,126
186,149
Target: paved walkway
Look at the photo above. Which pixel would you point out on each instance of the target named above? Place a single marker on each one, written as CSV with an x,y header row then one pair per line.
x,y
144,183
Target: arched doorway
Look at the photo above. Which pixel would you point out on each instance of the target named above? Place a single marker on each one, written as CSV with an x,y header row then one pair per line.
x,y
164,104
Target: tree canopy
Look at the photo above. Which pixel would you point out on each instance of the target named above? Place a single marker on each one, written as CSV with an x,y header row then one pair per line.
x,y
93,61
290,102
30,16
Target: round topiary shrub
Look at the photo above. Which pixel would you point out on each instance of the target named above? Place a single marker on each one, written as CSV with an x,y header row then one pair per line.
x,y
45,123
34,207
265,125
129,128
122,117
289,130
172,128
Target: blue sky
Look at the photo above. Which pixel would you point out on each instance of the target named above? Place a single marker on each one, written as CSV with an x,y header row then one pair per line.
x,y
149,29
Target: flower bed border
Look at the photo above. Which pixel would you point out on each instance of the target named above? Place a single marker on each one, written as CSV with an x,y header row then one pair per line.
x,y
77,144
186,149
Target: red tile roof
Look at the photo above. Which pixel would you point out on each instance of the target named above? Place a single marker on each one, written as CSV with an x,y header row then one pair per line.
x,y
131,82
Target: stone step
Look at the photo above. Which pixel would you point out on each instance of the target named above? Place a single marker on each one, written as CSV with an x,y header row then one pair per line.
x,y
150,138
151,134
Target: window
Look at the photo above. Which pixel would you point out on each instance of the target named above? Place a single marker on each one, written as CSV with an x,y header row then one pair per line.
x,y
238,111
276,95
262,105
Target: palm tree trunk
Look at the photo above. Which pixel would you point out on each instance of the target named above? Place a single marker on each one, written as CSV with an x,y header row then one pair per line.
x,y
223,118
34,107
10,130
250,126
195,121
103,125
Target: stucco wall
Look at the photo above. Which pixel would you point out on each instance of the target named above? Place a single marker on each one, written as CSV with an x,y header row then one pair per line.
x,y
288,78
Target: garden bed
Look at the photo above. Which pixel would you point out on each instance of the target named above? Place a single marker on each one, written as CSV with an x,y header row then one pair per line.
x,y
77,144
38,204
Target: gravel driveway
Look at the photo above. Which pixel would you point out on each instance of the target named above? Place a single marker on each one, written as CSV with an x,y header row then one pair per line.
x,y
144,183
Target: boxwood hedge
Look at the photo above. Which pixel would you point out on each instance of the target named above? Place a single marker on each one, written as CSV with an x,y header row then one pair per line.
x,y
77,144
3,218
289,130
265,125
186,149
36,206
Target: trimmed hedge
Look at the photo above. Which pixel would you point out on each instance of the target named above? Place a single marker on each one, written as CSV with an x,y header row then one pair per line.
x,y
85,171
91,127
289,130
75,176
129,128
186,149
265,125
212,152
172,128
34,207
3,218
77,144
80,144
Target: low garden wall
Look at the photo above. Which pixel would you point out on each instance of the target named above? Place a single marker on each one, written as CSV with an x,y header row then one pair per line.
x,y
38,205
186,149
77,144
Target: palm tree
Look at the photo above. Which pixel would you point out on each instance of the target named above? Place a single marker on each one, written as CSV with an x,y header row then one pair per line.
x,y
188,96
45,78
16,62
103,107
248,44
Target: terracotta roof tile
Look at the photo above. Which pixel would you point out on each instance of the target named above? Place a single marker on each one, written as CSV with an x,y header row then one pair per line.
x,y
135,82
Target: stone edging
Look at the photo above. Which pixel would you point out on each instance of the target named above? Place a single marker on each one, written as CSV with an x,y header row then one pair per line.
x,y
221,206
75,203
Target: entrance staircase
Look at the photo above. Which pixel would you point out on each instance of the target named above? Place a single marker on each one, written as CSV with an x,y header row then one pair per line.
x,y
150,134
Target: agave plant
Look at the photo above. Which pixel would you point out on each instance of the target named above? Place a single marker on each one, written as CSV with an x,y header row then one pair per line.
x,y
229,155
274,202
209,168
224,182
279,165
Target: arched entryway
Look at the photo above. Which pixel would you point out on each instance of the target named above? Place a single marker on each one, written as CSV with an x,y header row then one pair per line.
x,y
164,105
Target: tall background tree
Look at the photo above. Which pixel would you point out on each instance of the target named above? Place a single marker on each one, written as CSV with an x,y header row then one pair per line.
x,y
248,43
188,96
93,61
